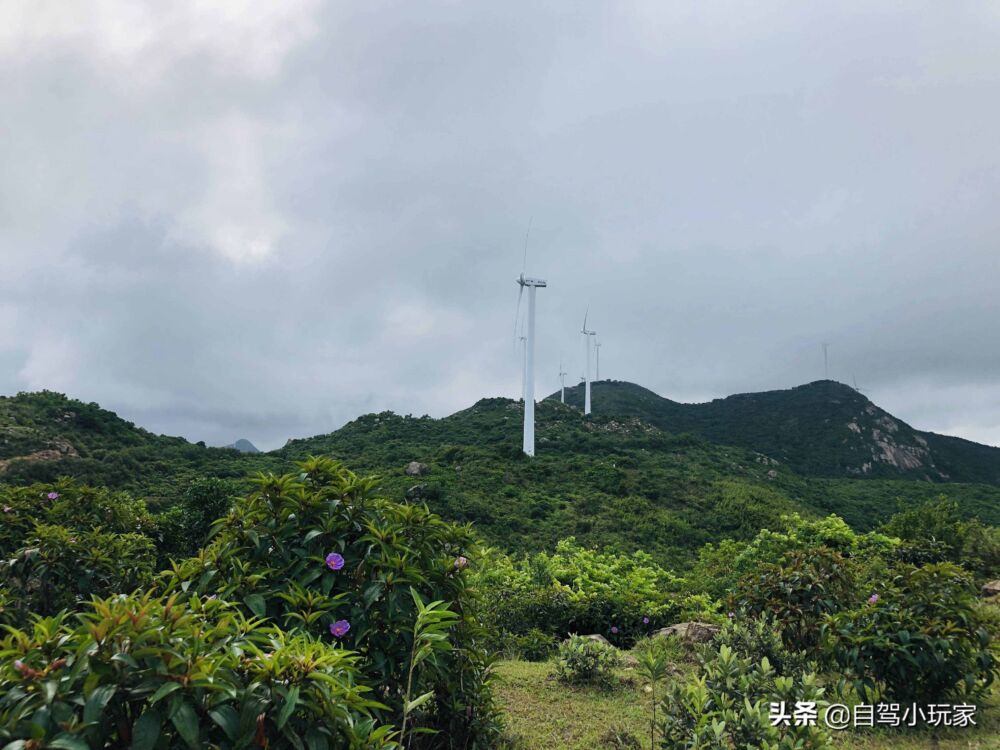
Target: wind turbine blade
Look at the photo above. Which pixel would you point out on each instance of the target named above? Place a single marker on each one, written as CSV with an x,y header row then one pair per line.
x,y
585,319
524,263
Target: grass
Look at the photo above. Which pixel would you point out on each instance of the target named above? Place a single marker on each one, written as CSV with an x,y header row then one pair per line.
x,y
544,714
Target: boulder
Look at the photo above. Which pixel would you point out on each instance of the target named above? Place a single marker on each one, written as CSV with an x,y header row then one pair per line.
x,y
596,637
991,588
415,469
692,632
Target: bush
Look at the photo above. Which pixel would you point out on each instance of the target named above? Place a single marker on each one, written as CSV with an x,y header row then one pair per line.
x,y
920,640
577,590
759,638
316,552
727,705
63,568
145,672
535,645
587,661
798,593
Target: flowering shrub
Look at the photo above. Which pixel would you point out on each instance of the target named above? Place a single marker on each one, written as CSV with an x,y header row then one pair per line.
x,y
726,705
584,660
145,672
922,639
317,552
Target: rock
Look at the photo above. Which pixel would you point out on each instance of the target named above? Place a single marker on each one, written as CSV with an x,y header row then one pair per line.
x,y
692,632
772,474
596,637
415,491
415,469
991,588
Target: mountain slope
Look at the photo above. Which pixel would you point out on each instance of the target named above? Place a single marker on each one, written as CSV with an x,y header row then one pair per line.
x,y
819,429
608,480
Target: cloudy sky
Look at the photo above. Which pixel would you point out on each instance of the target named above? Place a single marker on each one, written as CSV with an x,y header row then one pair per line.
x,y
247,219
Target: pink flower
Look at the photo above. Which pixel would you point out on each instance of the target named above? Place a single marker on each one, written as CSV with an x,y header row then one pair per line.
x,y
7,509
645,621
614,629
460,562
53,496
873,598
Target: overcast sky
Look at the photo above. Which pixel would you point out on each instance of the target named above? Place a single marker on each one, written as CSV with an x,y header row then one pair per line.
x,y
262,219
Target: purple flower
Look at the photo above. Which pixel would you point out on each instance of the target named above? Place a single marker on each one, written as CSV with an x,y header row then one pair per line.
x,y
614,630
873,598
645,621
461,562
18,665
732,615
334,561
53,496
7,509
339,628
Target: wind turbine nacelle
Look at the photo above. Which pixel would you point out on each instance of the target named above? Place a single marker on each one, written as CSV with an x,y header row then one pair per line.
x,y
523,281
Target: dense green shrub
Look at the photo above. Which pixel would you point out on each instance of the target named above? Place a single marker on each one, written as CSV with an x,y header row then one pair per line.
x,y
727,705
798,592
920,639
720,567
63,568
934,531
535,645
62,544
150,672
316,552
576,589
583,660
759,638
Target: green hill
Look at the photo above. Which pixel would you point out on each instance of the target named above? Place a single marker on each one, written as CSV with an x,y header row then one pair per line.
x,y
618,480
822,429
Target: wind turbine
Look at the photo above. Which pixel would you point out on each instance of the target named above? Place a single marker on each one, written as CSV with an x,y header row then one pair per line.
x,y
586,390
529,362
562,382
597,352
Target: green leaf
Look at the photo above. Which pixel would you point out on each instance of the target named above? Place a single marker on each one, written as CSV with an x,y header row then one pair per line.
x,y
256,604
228,719
185,720
146,730
291,700
165,689
418,702
67,741
97,701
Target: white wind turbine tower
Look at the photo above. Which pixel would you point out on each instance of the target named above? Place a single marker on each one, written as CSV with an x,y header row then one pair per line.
x,y
562,382
524,361
529,362
597,356
586,389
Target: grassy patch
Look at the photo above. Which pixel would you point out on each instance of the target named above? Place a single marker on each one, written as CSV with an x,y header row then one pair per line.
x,y
544,714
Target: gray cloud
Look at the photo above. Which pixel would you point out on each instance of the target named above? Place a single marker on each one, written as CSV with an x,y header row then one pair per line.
x,y
259,222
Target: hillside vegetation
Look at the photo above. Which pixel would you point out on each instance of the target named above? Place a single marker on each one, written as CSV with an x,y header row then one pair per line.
x,y
617,480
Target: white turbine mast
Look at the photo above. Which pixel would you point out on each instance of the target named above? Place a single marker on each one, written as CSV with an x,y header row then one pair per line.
x,y
597,357
524,361
588,335
529,362
562,382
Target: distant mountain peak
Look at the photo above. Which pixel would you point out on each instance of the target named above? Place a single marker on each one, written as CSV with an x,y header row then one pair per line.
x,y
243,446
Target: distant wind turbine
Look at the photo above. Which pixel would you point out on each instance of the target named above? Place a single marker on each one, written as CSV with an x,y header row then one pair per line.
x,y
529,362
597,353
562,382
826,362
587,334
524,362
